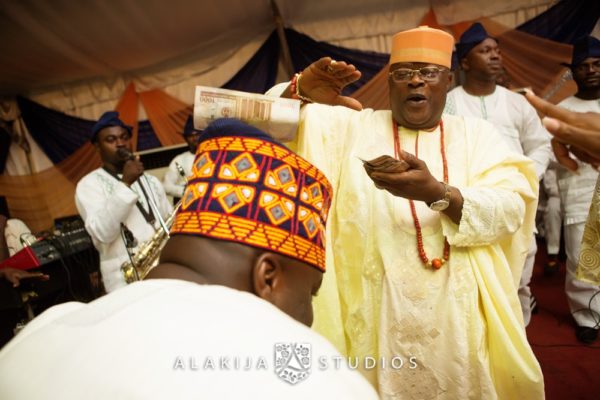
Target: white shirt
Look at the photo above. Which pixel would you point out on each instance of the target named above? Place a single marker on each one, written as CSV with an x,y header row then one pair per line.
x,y
170,339
513,117
16,233
173,182
104,203
576,189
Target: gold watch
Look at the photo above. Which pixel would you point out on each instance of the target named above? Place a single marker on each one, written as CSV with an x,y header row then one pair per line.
x,y
444,202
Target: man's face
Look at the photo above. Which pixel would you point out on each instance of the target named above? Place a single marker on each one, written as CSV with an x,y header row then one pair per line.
x,y
484,60
294,293
587,74
418,103
109,140
192,141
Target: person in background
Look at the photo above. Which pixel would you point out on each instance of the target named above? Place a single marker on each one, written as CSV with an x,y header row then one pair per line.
x,y
118,202
551,219
174,182
226,313
576,180
481,97
11,310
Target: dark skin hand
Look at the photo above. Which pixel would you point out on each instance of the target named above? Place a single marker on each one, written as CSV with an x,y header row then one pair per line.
x,y
323,82
14,275
574,133
410,178
132,170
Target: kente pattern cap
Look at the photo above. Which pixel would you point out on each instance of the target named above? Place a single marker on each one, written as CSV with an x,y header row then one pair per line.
x,y
422,44
584,48
109,118
471,38
247,188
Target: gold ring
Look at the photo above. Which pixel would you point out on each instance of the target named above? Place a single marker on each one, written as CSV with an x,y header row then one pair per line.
x,y
330,68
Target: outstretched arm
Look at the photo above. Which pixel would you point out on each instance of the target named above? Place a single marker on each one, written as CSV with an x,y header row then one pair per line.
x,y
323,82
576,133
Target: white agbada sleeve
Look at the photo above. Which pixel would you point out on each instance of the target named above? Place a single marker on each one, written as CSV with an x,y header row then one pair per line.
x,y
103,214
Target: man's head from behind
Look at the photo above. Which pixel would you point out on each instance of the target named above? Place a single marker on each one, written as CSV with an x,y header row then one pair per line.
x,y
419,76
478,53
585,63
252,218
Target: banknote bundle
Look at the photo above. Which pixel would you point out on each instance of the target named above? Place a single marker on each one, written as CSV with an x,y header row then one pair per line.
x,y
275,115
385,164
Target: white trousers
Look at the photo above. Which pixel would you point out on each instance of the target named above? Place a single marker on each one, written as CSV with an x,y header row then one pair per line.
x,y
524,289
552,224
579,293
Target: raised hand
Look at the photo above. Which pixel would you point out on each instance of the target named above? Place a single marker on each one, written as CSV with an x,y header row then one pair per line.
x,y
323,81
574,133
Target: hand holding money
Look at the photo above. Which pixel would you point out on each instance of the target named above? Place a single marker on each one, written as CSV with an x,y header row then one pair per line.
x,y
385,164
408,177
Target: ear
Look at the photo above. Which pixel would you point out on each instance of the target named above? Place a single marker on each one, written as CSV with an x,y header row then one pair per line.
x,y
267,272
450,80
464,64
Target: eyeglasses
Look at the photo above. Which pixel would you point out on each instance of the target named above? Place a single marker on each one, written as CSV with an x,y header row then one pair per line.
x,y
428,74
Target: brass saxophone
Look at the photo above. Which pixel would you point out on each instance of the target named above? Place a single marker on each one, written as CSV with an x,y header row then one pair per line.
x,y
146,257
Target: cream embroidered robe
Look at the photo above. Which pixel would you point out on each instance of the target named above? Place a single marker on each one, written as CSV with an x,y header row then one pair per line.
x,y
463,323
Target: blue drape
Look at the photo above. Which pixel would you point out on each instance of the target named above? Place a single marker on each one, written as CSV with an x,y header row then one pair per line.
x,y
565,22
260,72
58,134
305,51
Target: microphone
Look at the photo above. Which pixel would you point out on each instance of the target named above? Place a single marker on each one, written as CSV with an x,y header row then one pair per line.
x,y
125,154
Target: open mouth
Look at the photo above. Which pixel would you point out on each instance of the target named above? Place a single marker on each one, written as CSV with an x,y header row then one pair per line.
x,y
416,98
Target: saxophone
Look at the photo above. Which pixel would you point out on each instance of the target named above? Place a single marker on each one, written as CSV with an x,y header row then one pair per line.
x,y
146,257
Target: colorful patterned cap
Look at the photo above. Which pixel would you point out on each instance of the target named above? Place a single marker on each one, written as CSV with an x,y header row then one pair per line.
x,y
247,188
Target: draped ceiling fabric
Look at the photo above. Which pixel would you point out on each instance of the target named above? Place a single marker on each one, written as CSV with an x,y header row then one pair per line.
x,y
156,99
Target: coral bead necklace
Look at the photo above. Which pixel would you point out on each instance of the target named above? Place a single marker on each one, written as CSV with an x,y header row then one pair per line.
x,y
436,263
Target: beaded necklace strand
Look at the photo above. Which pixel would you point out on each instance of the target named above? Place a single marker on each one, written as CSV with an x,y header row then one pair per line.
x,y
436,263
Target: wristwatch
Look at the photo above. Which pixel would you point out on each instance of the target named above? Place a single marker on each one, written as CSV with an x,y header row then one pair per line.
x,y
444,202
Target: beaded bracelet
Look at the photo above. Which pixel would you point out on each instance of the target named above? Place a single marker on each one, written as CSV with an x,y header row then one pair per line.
x,y
295,89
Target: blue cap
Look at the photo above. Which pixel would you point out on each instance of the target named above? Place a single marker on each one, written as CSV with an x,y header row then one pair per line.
x,y
188,128
109,118
223,127
471,38
585,47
